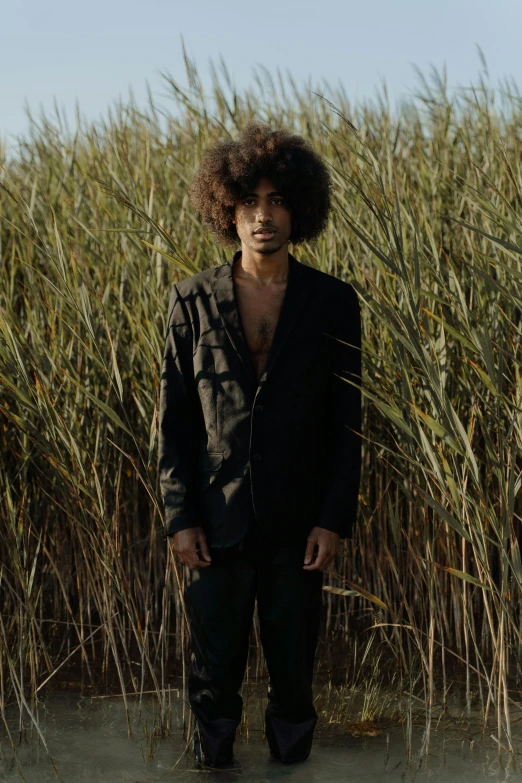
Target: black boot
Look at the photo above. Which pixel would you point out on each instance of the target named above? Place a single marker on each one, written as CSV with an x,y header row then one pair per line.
x,y
201,755
289,742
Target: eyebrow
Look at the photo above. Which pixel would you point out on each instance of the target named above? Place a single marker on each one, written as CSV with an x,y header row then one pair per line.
x,y
273,193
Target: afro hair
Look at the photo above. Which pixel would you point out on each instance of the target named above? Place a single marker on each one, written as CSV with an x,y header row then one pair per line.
x,y
230,168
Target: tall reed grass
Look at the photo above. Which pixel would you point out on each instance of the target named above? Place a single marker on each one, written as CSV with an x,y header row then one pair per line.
x,y
96,225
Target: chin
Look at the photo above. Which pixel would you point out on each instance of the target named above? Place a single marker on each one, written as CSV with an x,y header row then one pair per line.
x,y
266,250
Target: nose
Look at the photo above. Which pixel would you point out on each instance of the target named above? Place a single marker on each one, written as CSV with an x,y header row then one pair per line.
x,y
263,213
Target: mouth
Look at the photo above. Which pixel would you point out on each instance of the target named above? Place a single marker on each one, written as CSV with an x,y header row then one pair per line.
x,y
264,234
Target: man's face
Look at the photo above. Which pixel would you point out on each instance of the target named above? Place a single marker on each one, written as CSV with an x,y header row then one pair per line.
x,y
262,218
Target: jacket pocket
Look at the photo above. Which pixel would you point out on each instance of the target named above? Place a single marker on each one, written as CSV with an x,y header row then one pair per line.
x,y
210,461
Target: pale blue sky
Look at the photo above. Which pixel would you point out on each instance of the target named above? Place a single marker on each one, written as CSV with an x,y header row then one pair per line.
x,y
95,50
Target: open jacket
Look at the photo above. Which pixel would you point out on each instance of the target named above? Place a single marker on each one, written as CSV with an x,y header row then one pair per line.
x,y
283,453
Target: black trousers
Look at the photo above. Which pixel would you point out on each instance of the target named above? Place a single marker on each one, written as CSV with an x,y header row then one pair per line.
x,y
220,602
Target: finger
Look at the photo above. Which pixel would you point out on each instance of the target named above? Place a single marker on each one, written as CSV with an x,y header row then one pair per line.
x,y
320,560
310,545
204,547
188,556
322,556
312,566
193,560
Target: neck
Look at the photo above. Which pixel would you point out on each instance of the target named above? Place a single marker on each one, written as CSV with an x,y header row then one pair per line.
x,y
265,268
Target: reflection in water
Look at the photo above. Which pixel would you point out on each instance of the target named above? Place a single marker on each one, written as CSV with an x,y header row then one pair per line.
x,y
89,743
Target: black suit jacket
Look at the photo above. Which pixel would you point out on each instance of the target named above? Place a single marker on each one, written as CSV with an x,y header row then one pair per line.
x,y
284,453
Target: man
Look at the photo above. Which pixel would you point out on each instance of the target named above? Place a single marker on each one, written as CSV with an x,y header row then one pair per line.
x,y
259,435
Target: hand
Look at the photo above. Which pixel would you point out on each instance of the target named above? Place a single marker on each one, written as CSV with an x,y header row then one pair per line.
x,y
327,543
184,545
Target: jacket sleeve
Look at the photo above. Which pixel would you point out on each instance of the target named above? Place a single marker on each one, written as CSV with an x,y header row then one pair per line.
x,y
344,412
177,421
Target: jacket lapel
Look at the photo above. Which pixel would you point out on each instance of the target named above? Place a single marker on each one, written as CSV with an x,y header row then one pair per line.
x,y
296,295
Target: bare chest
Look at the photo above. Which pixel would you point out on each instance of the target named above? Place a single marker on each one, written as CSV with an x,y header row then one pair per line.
x,y
259,311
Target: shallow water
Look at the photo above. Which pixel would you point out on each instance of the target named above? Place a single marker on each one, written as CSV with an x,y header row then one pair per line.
x,y
88,740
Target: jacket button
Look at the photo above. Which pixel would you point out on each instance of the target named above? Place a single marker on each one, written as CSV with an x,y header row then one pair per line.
x,y
259,408
257,457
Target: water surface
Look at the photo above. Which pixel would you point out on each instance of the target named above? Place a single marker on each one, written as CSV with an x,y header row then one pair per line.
x,y
88,740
